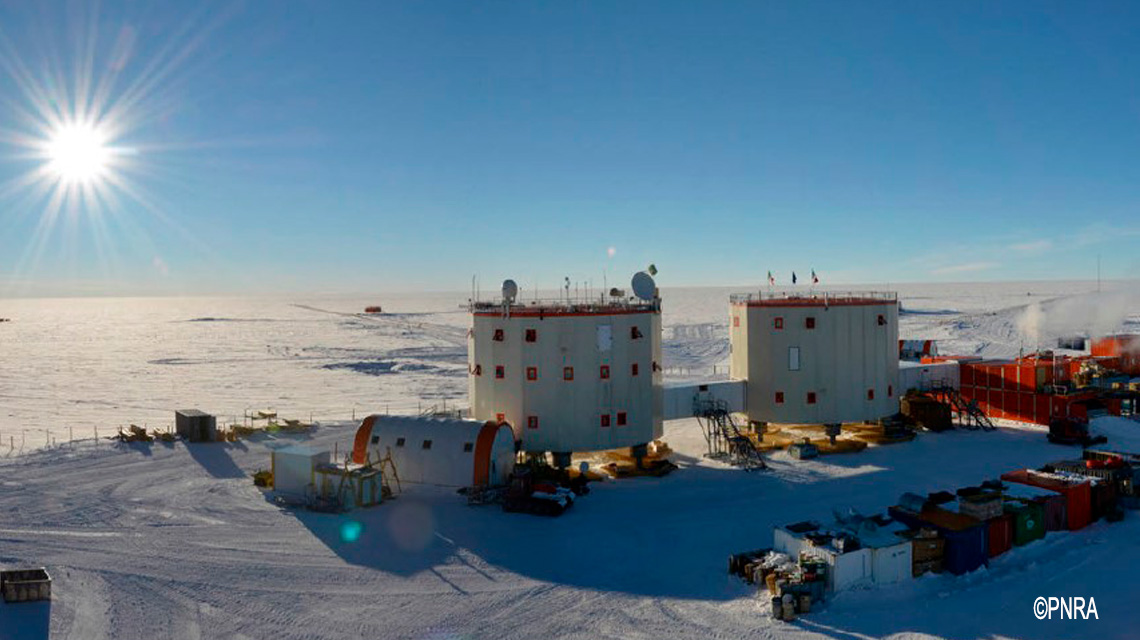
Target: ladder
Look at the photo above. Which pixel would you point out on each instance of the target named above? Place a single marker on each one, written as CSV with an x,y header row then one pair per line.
x,y
723,438
970,415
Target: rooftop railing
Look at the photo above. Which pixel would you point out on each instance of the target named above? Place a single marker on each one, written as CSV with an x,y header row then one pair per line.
x,y
813,296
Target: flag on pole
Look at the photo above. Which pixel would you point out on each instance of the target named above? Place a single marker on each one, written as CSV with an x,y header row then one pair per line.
x,y
771,279
793,277
814,278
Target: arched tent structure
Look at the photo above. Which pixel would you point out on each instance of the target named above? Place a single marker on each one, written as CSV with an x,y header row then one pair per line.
x,y
448,452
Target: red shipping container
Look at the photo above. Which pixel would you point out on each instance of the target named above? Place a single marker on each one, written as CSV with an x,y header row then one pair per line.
x,y
1009,403
1025,407
1042,409
1000,534
1078,494
966,373
1009,378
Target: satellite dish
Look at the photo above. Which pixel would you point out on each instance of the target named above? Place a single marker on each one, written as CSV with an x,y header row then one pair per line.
x,y
643,286
510,291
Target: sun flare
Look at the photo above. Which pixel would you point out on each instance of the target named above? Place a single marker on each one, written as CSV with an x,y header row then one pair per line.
x,y
78,153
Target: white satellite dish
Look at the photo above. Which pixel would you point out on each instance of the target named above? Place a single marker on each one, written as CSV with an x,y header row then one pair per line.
x,y
643,286
510,290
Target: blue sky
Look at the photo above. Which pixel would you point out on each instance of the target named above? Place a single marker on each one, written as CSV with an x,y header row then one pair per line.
x,y
356,146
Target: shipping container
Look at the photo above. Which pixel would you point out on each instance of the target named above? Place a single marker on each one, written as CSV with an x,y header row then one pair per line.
x,y
1077,493
967,547
1028,519
1000,535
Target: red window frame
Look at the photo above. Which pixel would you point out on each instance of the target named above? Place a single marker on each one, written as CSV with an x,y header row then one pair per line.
x,y
809,322
778,322
500,372
604,373
532,373
779,397
882,320
478,370
811,397
568,373
736,321
531,335
633,369
605,420
621,419
870,394
890,391
532,422
499,335
634,333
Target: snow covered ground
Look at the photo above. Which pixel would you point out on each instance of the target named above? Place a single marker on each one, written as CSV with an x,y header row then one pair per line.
x,y
70,365
174,540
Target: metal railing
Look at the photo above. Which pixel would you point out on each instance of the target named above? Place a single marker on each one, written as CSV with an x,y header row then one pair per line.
x,y
814,296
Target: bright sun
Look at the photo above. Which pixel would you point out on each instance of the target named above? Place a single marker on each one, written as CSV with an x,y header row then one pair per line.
x,y
78,154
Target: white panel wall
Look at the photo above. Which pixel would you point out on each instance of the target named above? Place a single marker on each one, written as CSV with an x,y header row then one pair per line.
x,y
679,397
913,375
844,356
569,411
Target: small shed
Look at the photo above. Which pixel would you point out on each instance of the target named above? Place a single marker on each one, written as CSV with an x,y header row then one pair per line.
x,y
195,425
858,550
295,470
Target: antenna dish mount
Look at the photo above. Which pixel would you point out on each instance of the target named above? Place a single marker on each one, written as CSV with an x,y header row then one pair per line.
x,y
643,286
510,291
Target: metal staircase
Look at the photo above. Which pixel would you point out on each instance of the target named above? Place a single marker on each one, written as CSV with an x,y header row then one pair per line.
x,y
723,438
969,415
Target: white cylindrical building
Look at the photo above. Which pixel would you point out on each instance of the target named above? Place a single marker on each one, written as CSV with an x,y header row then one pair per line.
x,y
449,452
569,375
824,358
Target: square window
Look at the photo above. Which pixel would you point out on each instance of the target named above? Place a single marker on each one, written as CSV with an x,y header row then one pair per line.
x,y
532,335
532,422
890,391
532,373
567,373
809,322
375,439
778,323
605,420
870,394
399,442
634,333
427,444
500,372
500,418
779,397
468,447
621,419
478,370
498,337
736,321
811,397
633,369
605,372
882,320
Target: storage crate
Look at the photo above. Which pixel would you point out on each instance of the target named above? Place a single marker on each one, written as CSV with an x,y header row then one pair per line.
x,y
927,566
25,585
